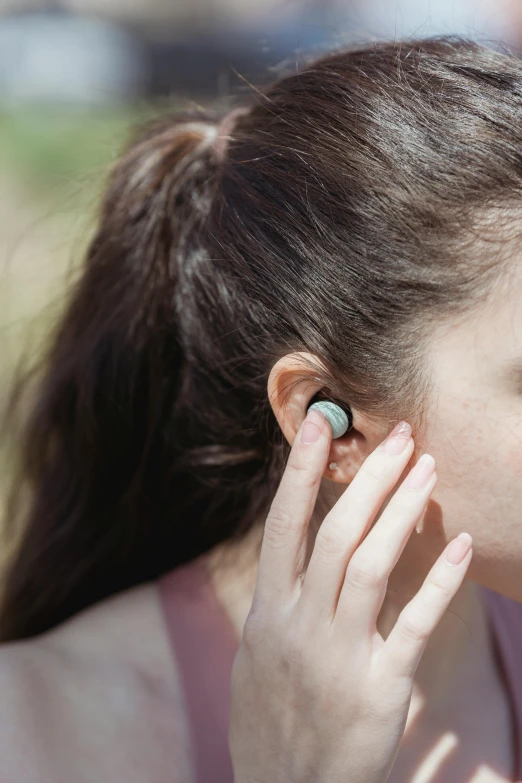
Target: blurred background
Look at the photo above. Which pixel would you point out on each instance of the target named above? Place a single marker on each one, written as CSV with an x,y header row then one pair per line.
x,y
76,74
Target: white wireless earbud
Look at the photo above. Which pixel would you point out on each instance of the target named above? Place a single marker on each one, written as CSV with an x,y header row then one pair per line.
x,y
335,415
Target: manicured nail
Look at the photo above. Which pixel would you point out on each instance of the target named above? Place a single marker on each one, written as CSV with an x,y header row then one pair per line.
x,y
398,439
313,426
421,473
458,549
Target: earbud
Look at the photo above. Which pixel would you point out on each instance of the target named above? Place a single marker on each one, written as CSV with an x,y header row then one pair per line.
x,y
339,421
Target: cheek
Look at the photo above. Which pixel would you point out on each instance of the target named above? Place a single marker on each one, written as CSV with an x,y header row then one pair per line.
x,y
513,461
472,477
504,448
485,447
477,444
478,448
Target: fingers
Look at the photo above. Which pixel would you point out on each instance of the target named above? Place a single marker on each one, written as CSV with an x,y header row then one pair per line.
x,y
366,578
403,649
283,548
346,524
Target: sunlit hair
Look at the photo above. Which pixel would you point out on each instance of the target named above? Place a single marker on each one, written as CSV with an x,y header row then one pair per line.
x,y
343,213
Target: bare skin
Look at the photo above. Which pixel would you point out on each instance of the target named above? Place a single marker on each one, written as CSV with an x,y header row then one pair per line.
x,y
446,739
474,430
98,698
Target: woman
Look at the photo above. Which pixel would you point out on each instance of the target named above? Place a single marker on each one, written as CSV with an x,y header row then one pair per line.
x,y
355,241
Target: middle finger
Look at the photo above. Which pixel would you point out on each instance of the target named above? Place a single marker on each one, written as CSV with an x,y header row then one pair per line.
x,y
347,523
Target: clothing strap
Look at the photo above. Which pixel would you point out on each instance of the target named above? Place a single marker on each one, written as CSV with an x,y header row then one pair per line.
x,y
205,646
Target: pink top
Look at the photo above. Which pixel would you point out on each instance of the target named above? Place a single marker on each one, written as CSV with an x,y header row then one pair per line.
x,y
205,644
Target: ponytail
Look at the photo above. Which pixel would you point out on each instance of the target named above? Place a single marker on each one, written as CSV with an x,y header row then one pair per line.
x,y
123,452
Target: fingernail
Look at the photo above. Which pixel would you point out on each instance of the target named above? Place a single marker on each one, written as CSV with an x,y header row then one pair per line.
x,y
313,426
421,473
398,439
458,549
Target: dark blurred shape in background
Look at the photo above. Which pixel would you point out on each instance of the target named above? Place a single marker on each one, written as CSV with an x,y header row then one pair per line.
x,y
99,51
57,56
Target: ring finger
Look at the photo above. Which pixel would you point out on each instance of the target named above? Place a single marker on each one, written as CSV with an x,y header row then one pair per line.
x,y
345,526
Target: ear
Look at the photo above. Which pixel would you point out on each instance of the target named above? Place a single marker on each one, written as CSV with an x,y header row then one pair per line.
x,y
291,386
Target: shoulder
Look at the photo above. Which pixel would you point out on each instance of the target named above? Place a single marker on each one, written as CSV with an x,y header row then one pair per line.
x,y
99,696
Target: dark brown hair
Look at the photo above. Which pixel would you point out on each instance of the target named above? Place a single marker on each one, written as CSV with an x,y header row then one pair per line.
x,y
347,217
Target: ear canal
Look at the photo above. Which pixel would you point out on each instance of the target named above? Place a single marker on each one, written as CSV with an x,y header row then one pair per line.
x,y
340,422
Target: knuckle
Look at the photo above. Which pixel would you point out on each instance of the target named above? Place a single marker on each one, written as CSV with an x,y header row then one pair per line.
x,y
403,509
303,475
279,526
404,502
369,472
412,630
294,647
364,571
436,590
330,540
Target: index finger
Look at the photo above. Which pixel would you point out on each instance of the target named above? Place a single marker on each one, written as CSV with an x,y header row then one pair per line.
x,y
283,548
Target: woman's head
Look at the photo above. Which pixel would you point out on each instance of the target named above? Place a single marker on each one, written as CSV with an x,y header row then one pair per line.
x,y
364,208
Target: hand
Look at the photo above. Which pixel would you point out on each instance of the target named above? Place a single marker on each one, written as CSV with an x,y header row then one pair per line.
x,y
317,695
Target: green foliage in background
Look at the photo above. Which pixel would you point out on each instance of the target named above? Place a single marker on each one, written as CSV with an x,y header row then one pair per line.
x,y
52,147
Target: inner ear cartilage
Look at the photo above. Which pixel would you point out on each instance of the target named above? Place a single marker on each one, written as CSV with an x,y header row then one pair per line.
x,y
337,417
